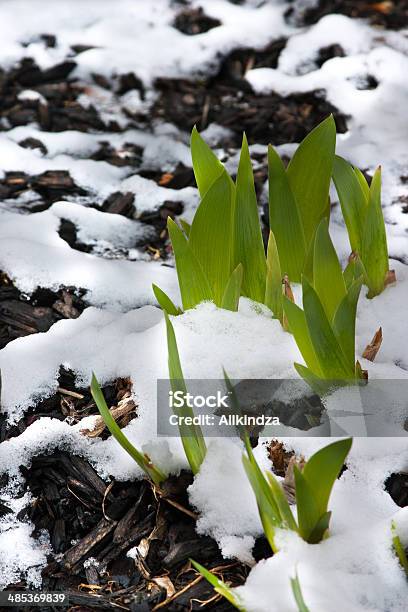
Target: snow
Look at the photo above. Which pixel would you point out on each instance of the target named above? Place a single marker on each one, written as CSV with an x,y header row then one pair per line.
x,y
123,333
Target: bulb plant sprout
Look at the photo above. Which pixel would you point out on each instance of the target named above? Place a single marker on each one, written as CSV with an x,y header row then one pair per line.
x,y
325,329
362,212
299,196
221,256
313,487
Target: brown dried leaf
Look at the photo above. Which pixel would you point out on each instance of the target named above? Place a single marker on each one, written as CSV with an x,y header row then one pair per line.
x,y
372,349
391,278
289,480
164,582
166,178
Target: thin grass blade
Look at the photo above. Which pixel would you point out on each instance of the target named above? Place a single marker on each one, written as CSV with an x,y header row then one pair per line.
x,y
281,502
219,586
298,595
191,435
143,461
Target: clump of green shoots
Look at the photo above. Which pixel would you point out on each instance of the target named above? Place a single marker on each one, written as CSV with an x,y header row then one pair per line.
x,y
325,329
362,212
313,487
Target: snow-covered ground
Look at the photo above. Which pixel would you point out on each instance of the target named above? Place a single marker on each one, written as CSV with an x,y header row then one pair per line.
x,y
356,568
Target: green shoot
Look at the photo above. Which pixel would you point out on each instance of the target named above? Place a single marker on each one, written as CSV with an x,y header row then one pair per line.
x,y
143,460
191,435
230,299
248,248
362,212
313,488
273,288
219,586
298,595
325,330
165,302
398,547
299,196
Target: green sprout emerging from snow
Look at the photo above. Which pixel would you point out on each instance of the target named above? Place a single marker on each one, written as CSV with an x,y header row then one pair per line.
x,y
325,329
191,435
143,460
313,487
362,212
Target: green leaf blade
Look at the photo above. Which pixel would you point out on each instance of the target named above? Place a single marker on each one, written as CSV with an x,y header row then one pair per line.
x,y
352,198
285,220
273,298
219,586
230,299
344,321
143,461
298,595
330,356
194,286
298,327
191,435
206,165
211,235
328,278
165,302
322,470
309,174
374,252
248,243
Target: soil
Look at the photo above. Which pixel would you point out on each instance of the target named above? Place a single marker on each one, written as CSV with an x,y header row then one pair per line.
x,y
387,14
92,524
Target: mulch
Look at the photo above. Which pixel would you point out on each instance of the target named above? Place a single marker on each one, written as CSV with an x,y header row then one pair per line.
x,y
92,523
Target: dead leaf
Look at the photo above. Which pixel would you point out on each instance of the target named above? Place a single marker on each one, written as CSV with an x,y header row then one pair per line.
x,y
164,582
124,408
391,278
288,484
372,349
166,178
